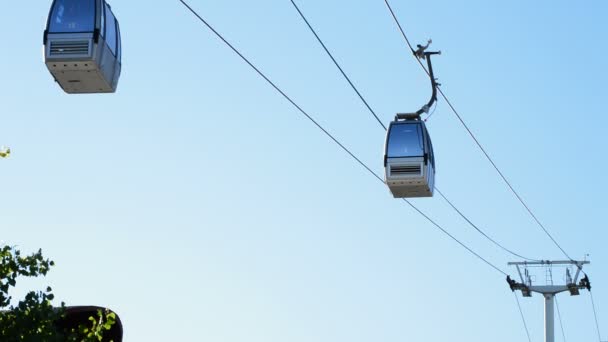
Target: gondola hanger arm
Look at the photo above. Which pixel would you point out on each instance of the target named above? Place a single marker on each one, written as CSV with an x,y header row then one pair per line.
x,y
421,53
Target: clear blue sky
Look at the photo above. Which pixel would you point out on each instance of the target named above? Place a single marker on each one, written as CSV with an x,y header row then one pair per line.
x,y
210,210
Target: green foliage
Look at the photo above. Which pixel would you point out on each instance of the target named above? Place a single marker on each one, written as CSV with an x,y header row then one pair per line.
x,y
5,152
34,318
94,332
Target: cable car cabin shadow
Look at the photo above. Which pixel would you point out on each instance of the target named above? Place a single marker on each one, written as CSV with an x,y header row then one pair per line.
x,y
409,161
82,46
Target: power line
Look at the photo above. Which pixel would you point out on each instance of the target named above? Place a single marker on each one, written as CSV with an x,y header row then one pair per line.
x,y
384,127
523,318
344,148
481,231
483,150
597,325
561,323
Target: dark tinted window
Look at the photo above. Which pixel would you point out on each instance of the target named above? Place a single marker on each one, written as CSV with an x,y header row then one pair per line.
x,y
430,147
111,39
103,22
405,140
432,153
72,16
119,42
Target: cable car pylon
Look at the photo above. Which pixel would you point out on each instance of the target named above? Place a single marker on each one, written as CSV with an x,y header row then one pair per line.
x,y
409,161
549,290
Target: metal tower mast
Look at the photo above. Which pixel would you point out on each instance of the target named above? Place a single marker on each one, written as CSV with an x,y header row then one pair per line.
x,y
549,290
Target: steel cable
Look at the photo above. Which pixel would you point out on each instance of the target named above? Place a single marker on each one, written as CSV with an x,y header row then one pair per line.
x,y
326,132
483,150
314,32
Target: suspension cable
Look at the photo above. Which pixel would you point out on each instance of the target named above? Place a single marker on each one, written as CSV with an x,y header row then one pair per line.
x,y
523,318
477,142
561,323
481,231
338,65
326,132
597,325
453,238
384,127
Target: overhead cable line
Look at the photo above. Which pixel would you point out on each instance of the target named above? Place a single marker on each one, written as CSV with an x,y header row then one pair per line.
x,y
483,150
335,140
561,323
433,111
597,324
338,65
523,318
453,238
384,127
481,231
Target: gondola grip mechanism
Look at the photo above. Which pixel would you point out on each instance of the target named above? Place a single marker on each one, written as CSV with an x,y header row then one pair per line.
x,y
421,53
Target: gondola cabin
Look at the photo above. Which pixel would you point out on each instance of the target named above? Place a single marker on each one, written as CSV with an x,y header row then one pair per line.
x,y
82,47
408,159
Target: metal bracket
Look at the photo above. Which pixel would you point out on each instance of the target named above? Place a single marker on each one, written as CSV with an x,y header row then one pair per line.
x,y
421,49
421,53
526,287
550,290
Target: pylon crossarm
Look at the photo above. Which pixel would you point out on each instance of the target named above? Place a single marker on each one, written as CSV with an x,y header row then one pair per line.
x,y
550,290
549,262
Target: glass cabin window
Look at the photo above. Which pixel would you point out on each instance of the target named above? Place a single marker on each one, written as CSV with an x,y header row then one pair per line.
x,y
69,16
405,140
111,39
102,30
119,56
431,153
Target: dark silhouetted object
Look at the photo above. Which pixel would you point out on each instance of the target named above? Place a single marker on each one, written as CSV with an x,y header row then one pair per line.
x,y
79,315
